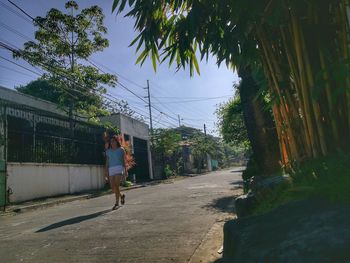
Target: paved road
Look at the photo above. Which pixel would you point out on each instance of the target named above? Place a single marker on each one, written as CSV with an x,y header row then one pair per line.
x,y
161,223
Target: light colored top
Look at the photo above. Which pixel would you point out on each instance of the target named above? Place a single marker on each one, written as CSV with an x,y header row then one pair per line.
x,y
115,157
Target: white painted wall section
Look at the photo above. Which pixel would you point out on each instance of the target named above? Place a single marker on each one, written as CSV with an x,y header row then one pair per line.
x,y
33,180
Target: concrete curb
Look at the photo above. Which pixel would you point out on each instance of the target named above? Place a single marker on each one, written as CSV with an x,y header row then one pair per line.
x,y
30,207
207,250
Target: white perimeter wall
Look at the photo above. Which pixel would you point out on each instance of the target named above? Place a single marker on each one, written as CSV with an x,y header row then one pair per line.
x,y
34,180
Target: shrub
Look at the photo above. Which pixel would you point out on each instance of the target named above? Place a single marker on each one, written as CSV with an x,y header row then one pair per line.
x,y
167,171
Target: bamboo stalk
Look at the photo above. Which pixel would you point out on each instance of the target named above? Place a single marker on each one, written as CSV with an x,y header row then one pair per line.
x,y
273,86
329,97
294,72
314,103
282,146
303,87
277,117
345,8
291,146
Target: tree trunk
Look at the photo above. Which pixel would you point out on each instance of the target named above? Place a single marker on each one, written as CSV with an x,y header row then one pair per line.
x,y
260,125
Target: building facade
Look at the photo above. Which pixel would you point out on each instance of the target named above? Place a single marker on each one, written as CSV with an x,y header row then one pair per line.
x,y
136,133
44,153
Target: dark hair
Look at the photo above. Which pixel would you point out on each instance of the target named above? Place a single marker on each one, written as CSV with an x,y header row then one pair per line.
x,y
116,138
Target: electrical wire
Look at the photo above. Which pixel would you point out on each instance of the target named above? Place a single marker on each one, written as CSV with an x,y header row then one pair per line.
x,y
118,83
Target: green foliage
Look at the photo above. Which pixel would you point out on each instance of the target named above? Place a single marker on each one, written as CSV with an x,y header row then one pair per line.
x,y
111,129
64,42
251,170
166,150
166,142
183,29
187,133
43,89
179,165
325,178
168,171
121,106
289,40
126,184
232,155
231,122
202,145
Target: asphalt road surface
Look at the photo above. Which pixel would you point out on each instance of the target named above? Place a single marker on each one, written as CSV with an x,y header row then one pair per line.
x,y
160,223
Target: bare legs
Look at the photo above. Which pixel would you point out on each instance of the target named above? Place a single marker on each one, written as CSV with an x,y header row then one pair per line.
x,y
115,183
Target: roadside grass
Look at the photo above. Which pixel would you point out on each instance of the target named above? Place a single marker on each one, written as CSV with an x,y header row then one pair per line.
x,y
324,178
126,184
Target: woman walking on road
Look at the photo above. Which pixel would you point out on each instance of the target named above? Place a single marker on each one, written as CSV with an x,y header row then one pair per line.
x,y
116,169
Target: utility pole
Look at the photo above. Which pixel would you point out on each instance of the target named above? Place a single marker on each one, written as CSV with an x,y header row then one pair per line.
x,y
71,102
205,130
150,145
150,110
178,116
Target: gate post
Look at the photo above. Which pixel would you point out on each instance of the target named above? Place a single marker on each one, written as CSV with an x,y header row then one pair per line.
x,y
3,143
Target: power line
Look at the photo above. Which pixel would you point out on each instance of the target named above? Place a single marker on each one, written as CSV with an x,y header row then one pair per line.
x,y
189,111
20,72
15,12
65,89
165,106
196,100
19,65
16,51
95,63
7,80
11,29
120,84
174,97
45,66
107,98
198,119
138,96
19,8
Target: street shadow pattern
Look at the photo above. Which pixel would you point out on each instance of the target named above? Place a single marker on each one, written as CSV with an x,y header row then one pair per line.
x,y
222,204
237,183
238,170
72,221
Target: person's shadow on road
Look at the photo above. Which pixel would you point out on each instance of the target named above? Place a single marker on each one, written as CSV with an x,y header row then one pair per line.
x,y
71,221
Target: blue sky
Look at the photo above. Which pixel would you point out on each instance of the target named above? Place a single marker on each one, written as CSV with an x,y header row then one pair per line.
x,y
169,89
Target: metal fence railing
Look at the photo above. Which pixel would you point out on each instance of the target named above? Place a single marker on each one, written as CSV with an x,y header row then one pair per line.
x,y
40,137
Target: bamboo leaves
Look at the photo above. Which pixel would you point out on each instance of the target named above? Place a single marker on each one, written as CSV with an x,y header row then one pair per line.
x,y
297,44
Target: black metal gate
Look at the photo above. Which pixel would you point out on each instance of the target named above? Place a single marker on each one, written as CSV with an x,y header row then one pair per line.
x,y
3,174
141,169
42,137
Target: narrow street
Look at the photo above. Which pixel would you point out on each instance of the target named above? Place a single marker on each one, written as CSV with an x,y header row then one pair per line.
x,y
161,223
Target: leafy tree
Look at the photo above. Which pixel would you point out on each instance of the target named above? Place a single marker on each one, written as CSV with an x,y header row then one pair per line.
x,y
166,142
166,150
183,29
187,132
202,146
123,107
64,42
301,48
231,122
233,155
43,89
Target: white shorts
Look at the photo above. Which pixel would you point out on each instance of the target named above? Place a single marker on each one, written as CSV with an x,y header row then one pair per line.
x,y
115,170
